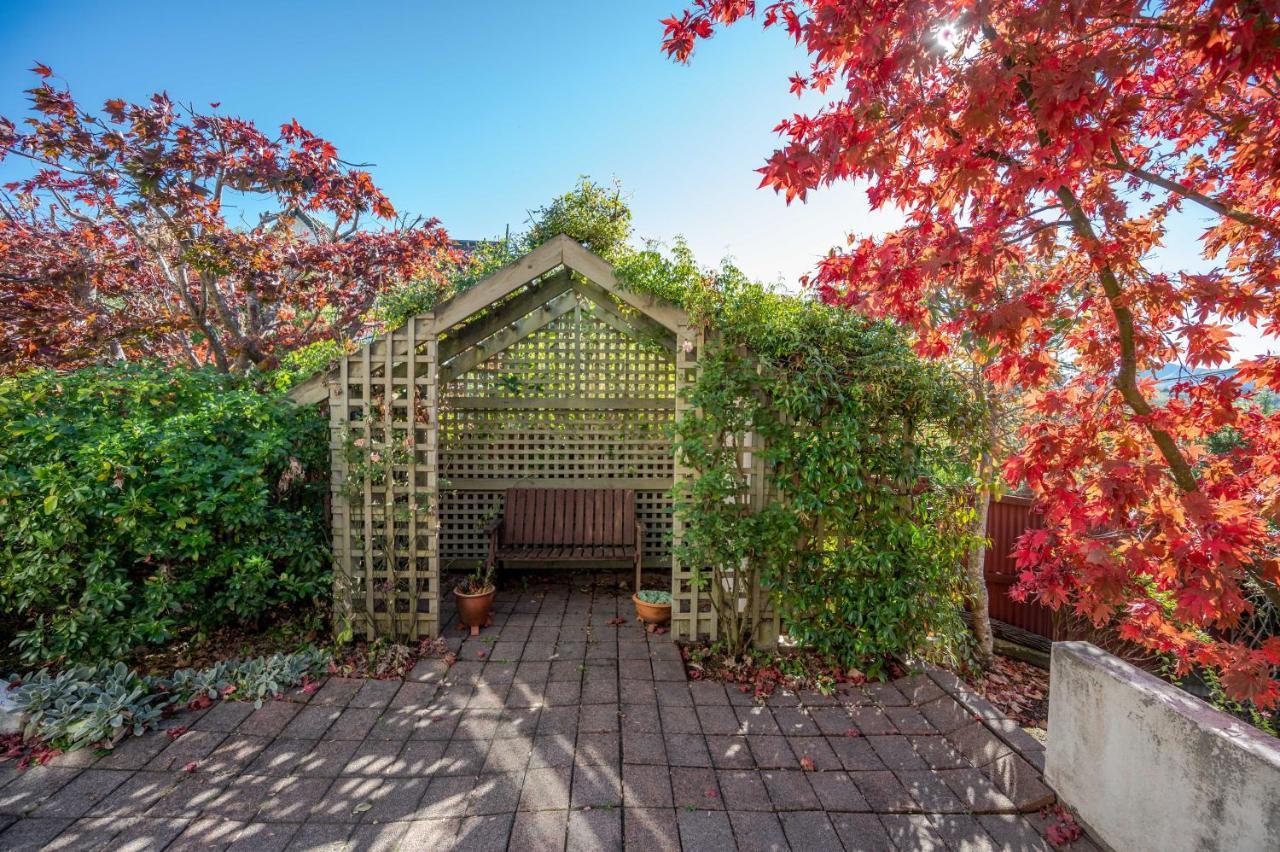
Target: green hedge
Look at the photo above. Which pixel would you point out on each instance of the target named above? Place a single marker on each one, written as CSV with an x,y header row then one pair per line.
x,y
139,501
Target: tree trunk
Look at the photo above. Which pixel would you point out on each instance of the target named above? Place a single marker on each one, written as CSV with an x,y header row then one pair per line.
x,y
978,603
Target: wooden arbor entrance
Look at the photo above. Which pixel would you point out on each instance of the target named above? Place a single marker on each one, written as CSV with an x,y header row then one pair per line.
x,y
545,374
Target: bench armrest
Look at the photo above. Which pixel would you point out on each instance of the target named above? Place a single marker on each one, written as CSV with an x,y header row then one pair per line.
x,y
493,526
640,527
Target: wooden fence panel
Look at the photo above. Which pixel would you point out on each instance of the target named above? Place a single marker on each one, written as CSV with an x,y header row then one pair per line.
x,y
1009,517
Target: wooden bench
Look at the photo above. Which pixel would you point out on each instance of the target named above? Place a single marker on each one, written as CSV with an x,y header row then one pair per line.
x,y
567,525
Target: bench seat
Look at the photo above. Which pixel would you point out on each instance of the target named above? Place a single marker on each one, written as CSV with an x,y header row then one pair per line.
x,y
567,525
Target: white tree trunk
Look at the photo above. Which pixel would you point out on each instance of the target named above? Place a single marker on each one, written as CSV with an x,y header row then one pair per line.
x,y
978,604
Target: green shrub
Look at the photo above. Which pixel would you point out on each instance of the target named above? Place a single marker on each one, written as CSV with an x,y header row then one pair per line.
x,y
137,501
868,448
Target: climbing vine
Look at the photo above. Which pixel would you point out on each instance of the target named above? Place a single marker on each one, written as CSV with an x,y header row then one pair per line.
x,y
863,533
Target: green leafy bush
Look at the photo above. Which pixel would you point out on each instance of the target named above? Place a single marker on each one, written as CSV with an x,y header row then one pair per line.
x,y
136,501
867,448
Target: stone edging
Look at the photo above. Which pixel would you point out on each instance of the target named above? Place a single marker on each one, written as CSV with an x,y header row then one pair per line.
x,y
1015,762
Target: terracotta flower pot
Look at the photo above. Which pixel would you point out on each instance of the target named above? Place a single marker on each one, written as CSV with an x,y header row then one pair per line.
x,y
473,610
653,615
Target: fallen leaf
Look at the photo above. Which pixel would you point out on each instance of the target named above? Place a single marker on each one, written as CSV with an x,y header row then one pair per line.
x,y
806,763
174,733
190,767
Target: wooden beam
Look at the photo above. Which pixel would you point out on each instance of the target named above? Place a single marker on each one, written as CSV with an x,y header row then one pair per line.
x,y
636,324
512,334
310,391
598,270
538,262
489,324
558,403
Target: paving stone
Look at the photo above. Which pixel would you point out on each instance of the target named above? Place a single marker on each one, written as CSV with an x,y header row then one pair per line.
x,y
884,792
562,693
757,719
558,721
75,798
643,748
679,719
795,722
320,837
730,752
346,799
234,754
871,721
758,831
292,799
718,719
931,791
976,742
819,754
134,752
695,788
918,689
976,791
596,787
636,669
809,830
89,833
909,720
938,753
352,724
598,749
263,836
191,746
837,792
499,671
376,837
896,753
646,786
1020,781
598,718
687,750
772,752
327,758
464,757
269,719
705,829
831,721
885,694
595,830
551,751
1010,833
429,671
188,798
138,792
546,789
495,794
242,797
743,790
670,671
446,796
419,757
484,833
207,833
600,692
478,724
651,828
708,692
566,671
535,830
31,835
862,833
508,755
438,725
914,832
224,716
789,789
855,753
946,715
673,693
280,757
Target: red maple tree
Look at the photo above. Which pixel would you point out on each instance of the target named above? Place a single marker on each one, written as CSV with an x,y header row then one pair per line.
x,y
156,230
1037,151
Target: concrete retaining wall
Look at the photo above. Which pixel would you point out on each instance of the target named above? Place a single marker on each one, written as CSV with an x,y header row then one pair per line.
x,y
1148,767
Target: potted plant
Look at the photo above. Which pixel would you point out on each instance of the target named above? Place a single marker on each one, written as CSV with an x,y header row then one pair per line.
x,y
653,607
475,599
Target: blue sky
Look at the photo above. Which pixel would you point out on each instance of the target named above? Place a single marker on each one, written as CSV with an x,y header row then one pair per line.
x,y
478,112
473,112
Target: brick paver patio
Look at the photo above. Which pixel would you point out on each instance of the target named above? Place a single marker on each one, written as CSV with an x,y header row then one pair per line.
x,y
555,729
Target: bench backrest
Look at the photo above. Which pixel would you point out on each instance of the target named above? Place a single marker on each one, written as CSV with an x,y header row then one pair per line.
x,y
585,517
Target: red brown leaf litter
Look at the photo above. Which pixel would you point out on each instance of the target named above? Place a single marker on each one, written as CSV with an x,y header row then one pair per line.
x,y
1062,829
1019,690
761,673
28,753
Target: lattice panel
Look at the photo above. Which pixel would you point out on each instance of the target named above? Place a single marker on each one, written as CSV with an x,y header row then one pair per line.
x,y
693,615
577,403
383,445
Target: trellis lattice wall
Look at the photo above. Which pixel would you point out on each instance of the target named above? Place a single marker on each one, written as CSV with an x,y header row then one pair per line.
x,y
547,373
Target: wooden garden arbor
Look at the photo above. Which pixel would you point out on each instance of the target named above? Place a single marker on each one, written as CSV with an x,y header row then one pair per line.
x,y
547,373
